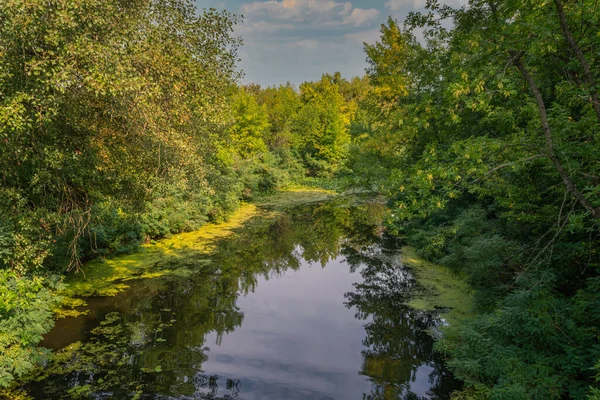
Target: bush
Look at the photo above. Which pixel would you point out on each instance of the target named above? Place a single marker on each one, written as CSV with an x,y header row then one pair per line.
x,y
25,315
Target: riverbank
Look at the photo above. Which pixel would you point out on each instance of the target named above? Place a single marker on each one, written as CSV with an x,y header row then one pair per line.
x,y
109,276
285,302
123,284
438,288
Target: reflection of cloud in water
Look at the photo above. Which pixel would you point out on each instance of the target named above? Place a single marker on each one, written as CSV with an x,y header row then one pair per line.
x,y
272,379
420,383
286,348
277,324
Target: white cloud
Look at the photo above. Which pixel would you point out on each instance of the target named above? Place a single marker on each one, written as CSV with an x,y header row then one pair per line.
x,y
397,5
369,36
271,63
261,27
314,12
298,40
305,44
361,17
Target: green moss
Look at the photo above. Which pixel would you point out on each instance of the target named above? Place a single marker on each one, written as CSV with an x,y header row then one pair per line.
x,y
441,289
108,277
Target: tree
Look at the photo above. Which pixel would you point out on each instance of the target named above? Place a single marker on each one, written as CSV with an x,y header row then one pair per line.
x,y
489,128
282,104
105,107
320,128
251,125
103,99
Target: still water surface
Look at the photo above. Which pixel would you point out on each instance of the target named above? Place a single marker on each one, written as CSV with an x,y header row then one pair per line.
x,y
306,304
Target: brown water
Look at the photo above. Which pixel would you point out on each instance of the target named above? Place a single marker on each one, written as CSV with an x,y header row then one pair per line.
x,y
310,304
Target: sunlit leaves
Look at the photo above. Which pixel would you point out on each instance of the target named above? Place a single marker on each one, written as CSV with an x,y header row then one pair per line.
x,y
250,127
101,102
25,315
107,99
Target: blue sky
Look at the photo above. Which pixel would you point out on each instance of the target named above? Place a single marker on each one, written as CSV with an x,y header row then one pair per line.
x,y
298,40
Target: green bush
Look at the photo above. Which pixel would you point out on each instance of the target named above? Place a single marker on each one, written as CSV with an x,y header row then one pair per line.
x,y
25,315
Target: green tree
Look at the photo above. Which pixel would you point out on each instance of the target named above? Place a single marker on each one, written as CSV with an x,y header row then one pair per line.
x,y
251,125
106,107
282,104
104,99
321,127
488,133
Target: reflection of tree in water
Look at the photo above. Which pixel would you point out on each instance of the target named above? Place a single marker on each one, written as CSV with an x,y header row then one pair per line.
x,y
154,345
398,348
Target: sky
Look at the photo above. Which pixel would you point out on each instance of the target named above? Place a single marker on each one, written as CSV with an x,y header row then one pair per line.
x,y
299,40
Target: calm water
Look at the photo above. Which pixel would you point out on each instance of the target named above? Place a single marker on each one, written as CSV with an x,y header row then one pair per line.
x,y
309,304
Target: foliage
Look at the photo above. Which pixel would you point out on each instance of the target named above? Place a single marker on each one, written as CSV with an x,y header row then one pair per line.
x,y
485,138
278,135
105,101
107,109
282,104
320,128
250,127
25,315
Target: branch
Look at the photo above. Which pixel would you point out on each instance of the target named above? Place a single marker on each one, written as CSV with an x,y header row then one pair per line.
x,y
492,170
595,178
587,73
566,179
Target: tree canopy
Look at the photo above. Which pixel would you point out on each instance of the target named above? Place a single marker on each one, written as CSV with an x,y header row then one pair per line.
x,y
487,134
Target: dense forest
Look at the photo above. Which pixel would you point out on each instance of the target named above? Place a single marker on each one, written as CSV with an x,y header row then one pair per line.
x,y
124,121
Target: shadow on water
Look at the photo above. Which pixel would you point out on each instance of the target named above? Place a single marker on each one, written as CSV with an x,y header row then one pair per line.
x,y
308,304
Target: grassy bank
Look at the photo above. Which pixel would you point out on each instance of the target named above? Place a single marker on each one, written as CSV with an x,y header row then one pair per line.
x,y
109,276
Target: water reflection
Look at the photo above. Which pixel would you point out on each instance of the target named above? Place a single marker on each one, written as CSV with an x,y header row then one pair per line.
x,y
398,356
309,304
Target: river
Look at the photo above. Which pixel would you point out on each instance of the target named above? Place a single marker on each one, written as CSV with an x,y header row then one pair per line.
x,y
308,303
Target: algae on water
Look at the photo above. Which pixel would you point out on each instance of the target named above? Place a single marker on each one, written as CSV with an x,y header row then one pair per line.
x,y
294,196
441,289
108,277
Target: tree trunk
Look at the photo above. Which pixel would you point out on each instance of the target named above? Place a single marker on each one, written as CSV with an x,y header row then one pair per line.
x,y
587,73
566,179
